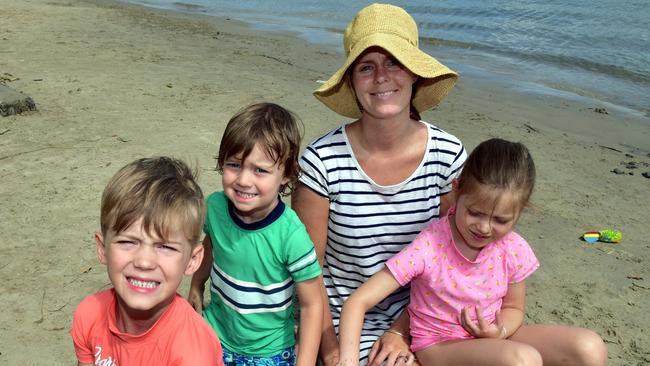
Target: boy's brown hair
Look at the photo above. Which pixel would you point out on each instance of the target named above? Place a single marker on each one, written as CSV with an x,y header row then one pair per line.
x,y
275,128
500,164
162,191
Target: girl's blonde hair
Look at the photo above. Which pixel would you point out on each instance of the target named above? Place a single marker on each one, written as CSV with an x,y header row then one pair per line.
x,y
502,165
275,128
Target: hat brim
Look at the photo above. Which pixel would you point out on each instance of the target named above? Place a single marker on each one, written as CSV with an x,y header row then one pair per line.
x,y
435,79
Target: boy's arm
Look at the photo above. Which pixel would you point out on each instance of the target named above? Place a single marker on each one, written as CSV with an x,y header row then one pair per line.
x,y
311,315
313,211
83,364
380,285
197,286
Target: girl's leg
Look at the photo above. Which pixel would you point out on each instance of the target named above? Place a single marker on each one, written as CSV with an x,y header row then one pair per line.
x,y
484,352
564,345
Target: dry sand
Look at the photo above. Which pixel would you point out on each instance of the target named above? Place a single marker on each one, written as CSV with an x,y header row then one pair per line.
x,y
113,83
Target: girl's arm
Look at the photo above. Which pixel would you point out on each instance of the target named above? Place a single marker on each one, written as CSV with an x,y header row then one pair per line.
x,y
313,211
508,319
512,309
197,286
311,319
380,285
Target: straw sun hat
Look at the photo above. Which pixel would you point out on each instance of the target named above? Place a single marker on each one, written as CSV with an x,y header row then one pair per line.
x,y
394,30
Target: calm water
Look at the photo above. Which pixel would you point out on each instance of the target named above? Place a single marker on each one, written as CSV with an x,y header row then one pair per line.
x,y
580,49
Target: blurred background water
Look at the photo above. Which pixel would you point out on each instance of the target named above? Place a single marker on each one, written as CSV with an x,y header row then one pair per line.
x,y
597,51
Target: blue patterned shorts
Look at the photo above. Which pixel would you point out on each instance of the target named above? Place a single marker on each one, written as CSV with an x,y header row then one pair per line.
x,y
285,358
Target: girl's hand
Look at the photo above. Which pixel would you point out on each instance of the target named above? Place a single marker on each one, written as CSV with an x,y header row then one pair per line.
x,y
482,329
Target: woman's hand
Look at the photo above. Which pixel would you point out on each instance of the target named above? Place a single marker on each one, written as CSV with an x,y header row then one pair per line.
x,y
481,328
392,349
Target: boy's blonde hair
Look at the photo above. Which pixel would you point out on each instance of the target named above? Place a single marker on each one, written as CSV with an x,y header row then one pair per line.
x,y
162,191
275,128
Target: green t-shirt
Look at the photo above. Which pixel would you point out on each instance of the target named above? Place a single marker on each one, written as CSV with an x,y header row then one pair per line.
x,y
254,271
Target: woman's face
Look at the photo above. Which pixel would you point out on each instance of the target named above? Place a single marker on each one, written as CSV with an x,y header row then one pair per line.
x,y
382,85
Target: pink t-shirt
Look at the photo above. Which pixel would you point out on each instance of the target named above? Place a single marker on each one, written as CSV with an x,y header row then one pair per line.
x,y
443,281
179,337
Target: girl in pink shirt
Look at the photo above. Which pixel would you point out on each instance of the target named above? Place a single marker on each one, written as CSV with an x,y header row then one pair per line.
x,y
467,273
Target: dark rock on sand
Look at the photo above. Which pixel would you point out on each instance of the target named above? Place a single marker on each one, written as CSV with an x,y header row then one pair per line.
x,y
14,102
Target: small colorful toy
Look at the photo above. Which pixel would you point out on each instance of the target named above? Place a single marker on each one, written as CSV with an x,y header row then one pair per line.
x,y
606,236
591,236
610,236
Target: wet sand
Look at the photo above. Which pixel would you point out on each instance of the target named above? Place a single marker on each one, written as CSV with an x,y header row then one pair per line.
x,y
113,83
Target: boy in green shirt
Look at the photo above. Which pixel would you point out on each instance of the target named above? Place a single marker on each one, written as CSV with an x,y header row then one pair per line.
x,y
262,254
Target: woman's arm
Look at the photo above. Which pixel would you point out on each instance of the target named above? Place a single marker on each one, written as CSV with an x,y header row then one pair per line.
x,y
373,291
447,200
311,320
197,286
313,211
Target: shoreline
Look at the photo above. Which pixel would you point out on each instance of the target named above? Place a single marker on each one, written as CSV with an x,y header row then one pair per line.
x,y
590,124
466,58
114,82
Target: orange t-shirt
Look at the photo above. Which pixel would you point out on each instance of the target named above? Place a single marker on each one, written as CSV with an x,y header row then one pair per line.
x,y
179,337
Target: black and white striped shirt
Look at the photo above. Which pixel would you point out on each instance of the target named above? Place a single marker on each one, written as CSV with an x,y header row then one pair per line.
x,y
369,223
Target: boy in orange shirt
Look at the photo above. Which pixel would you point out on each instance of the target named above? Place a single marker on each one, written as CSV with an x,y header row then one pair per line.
x,y
152,212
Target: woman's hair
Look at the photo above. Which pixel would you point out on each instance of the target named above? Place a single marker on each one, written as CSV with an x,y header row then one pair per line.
x,y
501,165
413,112
273,127
162,191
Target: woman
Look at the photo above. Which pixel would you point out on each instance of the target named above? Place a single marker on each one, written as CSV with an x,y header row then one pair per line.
x,y
370,186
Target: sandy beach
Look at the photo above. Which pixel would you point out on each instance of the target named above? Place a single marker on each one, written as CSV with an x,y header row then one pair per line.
x,y
114,82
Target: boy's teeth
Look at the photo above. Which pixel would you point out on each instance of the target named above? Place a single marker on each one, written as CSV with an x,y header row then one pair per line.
x,y
143,284
247,195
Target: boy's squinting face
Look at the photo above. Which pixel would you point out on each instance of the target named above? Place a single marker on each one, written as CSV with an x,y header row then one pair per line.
x,y
253,185
146,270
481,219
